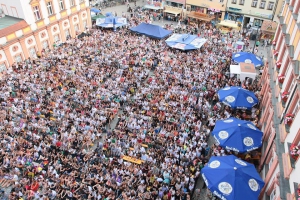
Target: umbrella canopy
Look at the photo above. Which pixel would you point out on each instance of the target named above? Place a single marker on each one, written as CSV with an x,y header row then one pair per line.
x,y
185,41
151,30
237,97
95,10
247,58
237,135
98,16
231,178
110,22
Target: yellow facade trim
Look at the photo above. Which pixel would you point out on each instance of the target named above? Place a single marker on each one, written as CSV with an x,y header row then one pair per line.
x,y
284,10
292,27
63,13
11,36
73,9
53,18
82,5
287,19
296,41
39,24
27,29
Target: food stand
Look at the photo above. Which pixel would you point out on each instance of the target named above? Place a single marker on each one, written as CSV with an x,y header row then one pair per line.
x,y
172,13
243,71
226,26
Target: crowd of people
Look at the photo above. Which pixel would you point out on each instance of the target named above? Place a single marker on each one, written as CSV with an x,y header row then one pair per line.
x,y
113,115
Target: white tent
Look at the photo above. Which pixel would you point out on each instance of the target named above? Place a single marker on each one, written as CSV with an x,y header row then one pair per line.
x,y
243,71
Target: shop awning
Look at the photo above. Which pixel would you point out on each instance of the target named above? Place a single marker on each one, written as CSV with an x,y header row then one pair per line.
x,y
172,12
200,16
228,24
177,1
152,7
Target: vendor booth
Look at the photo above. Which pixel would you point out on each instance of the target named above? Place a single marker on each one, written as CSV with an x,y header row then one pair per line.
x,y
172,13
268,29
243,71
226,26
200,16
154,5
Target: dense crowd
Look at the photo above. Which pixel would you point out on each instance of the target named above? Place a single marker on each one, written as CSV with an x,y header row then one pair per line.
x,y
113,115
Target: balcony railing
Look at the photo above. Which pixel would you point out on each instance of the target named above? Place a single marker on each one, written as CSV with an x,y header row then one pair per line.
x,y
291,51
296,67
287,39
292,161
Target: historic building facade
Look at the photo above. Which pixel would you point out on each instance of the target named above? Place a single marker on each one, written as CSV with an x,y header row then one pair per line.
x,y
32,25
280,117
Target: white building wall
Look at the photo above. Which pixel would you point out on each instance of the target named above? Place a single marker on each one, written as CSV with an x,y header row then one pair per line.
x,y
293,131
247,9
28,12
3,56
13,3
3,40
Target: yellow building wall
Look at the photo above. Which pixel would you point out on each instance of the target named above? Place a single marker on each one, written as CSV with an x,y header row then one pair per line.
x,y
208,4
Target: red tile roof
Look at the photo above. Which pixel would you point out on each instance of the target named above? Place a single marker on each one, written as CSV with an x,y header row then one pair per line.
x,y
13,28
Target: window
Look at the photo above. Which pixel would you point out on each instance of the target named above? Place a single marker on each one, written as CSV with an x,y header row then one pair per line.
x,y
67,32
81,1
2,67
242,2
50,8
270,5
296,109
233,1
45,44
76,27
271,162
32,52
72,2
262,4
84,24
61,5
273,195
56,38
254,3
37,13
18,58
221,1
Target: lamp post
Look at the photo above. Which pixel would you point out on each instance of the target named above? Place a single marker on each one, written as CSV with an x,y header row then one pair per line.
x,y
256,36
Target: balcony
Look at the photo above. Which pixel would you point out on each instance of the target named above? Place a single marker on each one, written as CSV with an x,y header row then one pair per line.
x,y
281,20
297,190
287,39
296,67
287,167
295,16
291,51
283,28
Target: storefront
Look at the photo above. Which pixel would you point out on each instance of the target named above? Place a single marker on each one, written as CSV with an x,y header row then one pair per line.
x,y
268,29
213,9
256,20
172,13
197,16
176,3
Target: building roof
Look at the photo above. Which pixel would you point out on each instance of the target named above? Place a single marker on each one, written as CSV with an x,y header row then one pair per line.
x,y
247,67
7,21
9,24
